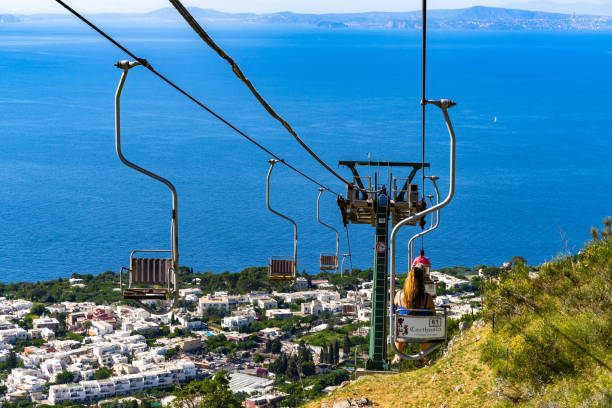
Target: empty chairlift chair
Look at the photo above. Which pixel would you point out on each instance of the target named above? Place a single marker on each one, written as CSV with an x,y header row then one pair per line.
x,y
328,261
281,268
149,276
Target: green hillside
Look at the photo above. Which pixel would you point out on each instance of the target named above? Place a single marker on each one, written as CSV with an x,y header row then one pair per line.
x,y
545,341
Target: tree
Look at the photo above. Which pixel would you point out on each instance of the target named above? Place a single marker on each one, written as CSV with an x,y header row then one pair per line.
x,y
336,354
276,346
304,353
65,377
102,373
12,361
346,346
518,259
268,346
38,309
308,368
279,366
604,233
258,358
323,355
292,369
210,393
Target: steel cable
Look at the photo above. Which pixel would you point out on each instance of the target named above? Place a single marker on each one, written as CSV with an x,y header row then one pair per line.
x,y
423,99
238,72
146,64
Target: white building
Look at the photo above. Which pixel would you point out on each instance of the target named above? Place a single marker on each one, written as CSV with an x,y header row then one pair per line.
x,y
301,283
364,314
267,303
48,322
100,327
88,391
270,333
279,314
213,302
190,291
314,308
51,367
234,322
104,352
451,282
248,383
11,335
25,380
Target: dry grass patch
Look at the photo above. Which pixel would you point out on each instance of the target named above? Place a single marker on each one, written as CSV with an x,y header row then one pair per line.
x,y
458,379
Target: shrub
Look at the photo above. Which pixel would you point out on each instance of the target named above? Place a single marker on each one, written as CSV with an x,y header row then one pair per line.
x,y
556,326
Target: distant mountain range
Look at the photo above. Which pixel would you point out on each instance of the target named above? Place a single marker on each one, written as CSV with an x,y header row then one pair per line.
x,y
479,17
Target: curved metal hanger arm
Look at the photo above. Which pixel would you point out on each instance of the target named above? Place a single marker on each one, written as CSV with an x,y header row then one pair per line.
x,y
321,190
126,66
432,228
295,229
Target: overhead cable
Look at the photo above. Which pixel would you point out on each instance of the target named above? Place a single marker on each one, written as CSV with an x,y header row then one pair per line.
x,y
146,64
238,72
423,98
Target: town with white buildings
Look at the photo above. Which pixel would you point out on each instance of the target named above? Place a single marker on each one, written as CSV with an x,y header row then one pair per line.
x,y
83,353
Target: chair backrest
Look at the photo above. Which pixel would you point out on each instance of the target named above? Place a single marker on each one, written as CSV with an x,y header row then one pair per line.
x,y
281,267
153,271
328,261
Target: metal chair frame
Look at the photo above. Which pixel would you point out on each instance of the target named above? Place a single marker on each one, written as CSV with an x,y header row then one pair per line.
x,y
170,293
277,259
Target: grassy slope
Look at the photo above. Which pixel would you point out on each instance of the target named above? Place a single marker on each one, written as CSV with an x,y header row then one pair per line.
x,y
435,385
552,347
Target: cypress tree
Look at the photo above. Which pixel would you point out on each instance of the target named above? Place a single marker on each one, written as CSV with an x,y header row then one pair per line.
x,y
336,354
347,345
323,356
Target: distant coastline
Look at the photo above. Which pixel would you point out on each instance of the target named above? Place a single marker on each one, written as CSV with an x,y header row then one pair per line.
x,y
473,18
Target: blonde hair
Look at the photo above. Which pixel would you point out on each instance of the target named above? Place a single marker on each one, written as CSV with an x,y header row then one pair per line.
x,y
414,289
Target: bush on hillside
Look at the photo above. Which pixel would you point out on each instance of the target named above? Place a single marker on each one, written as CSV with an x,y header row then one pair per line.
x,y
555,327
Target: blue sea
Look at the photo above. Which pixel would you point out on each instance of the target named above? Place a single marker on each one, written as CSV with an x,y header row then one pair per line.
x,y
538,173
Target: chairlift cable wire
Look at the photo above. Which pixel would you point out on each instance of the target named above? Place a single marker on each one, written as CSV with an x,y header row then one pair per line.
x,y
146,64
238,72
423,99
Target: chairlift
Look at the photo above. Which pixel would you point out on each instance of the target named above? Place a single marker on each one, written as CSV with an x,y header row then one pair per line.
x,y
425,326
328,261
281,268
149,277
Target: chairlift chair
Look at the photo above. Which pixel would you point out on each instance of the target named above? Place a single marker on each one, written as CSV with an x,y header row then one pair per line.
x,y
421,325
149,277
281,268
328,261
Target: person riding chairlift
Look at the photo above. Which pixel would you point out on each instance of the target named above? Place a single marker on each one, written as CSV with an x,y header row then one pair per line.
x,y
421,260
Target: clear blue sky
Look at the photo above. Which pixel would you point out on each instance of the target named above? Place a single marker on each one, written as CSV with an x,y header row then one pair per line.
x,y
302,6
